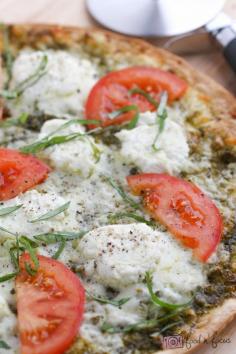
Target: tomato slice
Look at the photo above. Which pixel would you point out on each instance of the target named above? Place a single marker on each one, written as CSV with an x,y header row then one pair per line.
x,y
112,92
183,208
19,172
50,307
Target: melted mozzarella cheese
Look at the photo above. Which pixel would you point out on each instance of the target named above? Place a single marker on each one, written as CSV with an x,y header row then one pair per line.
x,y
172,151
61,90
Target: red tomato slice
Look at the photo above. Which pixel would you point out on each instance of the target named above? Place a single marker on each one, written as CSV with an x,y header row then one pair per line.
x,y
19,172
183,208
112,92
50,307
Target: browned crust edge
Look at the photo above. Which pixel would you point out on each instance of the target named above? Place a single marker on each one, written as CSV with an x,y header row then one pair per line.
x,y
222,103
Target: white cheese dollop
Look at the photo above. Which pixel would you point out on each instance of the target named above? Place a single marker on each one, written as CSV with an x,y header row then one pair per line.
x,y
120,255
63,88
79,156
172,147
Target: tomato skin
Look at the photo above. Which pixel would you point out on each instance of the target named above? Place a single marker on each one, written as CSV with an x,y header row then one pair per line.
x,y
111,92
19,172
183,208
50,307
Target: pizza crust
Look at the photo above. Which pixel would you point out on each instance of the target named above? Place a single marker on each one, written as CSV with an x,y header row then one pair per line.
x,y
222,105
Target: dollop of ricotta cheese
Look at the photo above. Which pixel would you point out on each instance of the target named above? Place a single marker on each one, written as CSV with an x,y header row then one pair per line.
x,y
119,256
63,88
172,151
79,155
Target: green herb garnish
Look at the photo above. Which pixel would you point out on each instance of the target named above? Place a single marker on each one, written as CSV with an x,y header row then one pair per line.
x,y
122,193
145,94
51,238
122,110
52,213
28,82
7,231
4,345
9,210
28,246
8,277
132,216
156,300
47,142
103,300
60,249
18,122
161,117
139,326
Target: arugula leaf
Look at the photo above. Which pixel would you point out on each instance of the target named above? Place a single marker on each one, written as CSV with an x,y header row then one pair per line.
x,y
7,54
60,249
122,193
9,210
133,216
122,110
145,94
51,238
52,213
156,300
4,345
8,277
161,117
103,300
19,121
47,142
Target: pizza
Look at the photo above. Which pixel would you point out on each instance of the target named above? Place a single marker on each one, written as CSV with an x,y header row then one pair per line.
x,y
117,191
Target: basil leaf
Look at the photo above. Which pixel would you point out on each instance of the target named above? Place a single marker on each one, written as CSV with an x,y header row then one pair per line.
x,y
47,142
8,276
156,300
52,213
51,238
31,271
145,94
4,345
19,121
7,231
9,210
26,243
28,82
161,117
7,54
135,217
103,300
32,243
122,110
60,249
132,124
122,193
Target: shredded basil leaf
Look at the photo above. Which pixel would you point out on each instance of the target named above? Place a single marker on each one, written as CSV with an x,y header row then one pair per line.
x,y
103,300
4,345
132,216
132,124
51,238
161,117
28,82
156,300
7,231
52,213
47,142
139,326
9,210
7,277
28,246
60,249
145,94
122,193
19,121
122,110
